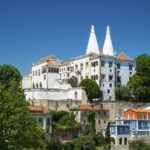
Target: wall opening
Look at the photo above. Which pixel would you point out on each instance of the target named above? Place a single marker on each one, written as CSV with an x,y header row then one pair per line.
x,y
125,141
76,95
120,141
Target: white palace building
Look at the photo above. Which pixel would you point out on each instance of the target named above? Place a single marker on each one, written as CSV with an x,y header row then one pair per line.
x,y
48,79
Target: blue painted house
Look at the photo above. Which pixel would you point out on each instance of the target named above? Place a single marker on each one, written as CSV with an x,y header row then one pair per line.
x,y
124,130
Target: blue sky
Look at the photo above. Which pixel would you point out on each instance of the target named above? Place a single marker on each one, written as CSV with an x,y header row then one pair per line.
x,y
31,29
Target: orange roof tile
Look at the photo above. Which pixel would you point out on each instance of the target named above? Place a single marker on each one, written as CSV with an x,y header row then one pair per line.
x,y
90,107
67,63
123,56
53,64
78,87
41,109
26,75
140,110
49,57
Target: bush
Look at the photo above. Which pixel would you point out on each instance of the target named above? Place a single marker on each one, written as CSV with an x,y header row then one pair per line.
x,y
124,93
99,140
138,144
54,144
92,89
82,143
73,81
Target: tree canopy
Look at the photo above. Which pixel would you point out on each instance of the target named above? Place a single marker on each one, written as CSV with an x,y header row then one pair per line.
x,y
73,81
64,123
92,89
18,128
124,93
140,82
9,73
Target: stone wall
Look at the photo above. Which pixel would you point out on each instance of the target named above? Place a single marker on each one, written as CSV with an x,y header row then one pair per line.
x,y
56,104
118,107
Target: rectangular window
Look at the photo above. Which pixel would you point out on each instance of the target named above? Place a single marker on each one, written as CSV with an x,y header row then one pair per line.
x,y
110,64
33,73
110,85
48,121
103,76
110,77
72,69
44,70
81,66
118,79
118,65
87,64
76,67
44,77
102,63
130,66
40,120
68,68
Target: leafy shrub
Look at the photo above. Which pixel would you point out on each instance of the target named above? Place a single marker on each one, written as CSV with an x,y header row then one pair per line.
x,y
138,144
73,81
54,144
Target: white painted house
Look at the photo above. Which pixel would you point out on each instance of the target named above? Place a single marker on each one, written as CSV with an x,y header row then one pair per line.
x,y
103,66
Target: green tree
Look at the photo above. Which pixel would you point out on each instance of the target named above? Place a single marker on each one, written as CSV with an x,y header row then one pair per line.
x,y
9,73
84,143
140,82
124,93
54,144
64,124
107,137
92,89
73,81
138,144
18,128
91,119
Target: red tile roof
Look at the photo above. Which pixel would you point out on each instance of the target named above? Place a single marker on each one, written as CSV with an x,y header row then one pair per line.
x,y
140,110
123,56
26,75
38,109
90,107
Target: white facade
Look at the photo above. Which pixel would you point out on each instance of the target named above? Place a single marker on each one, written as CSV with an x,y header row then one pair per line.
x,y
54,94
106,69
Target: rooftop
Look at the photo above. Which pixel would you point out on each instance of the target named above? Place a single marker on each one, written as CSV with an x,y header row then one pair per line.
x,y
123,56
139,110
38,109
89,107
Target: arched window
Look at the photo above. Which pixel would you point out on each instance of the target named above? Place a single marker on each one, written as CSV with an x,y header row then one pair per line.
x,y
37,85
33,85
147,116
120,141
76,95
128,116
125,141
142,115
133,116
40,85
